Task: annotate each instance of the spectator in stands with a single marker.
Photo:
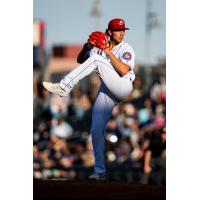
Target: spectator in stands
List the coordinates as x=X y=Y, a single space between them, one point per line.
x=58 y=106
x=155 y=158
x=61 y=128
x=145 y=114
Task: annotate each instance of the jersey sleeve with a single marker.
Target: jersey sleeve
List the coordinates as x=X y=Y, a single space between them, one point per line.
x=98 y=51
x=85 y=53
x=128 y=56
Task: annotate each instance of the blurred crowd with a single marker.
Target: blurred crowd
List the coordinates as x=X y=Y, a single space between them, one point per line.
x=135 y=134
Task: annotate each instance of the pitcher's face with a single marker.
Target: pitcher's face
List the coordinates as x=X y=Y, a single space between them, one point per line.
x=117 y=36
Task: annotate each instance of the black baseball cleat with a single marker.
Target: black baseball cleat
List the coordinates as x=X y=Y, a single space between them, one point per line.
x=97 y=176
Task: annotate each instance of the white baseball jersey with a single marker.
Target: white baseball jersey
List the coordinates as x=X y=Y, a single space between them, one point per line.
x=124 y=52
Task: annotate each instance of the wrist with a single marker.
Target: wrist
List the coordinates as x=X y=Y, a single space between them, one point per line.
x=107 y=52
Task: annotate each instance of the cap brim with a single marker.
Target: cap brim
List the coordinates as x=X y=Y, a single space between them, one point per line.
x=121 y=29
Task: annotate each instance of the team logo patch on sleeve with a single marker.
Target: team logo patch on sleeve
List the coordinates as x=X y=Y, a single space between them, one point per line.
x=126 y=55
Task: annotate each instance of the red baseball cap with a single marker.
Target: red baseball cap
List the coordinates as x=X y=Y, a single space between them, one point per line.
x=117 y=24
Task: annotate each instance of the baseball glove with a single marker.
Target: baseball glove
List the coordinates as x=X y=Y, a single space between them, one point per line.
x=98 y=39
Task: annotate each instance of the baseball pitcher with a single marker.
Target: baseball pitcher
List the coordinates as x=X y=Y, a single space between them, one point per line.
x=113 y=60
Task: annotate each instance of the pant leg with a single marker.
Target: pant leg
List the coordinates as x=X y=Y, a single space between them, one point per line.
x=102 y=111
x=120 y=87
